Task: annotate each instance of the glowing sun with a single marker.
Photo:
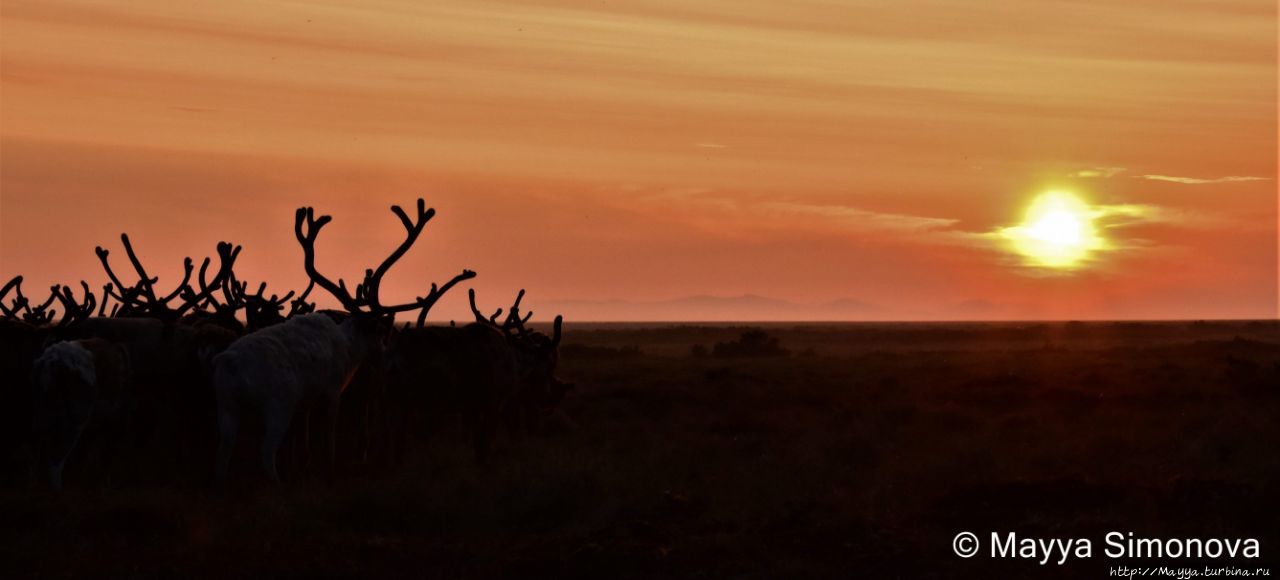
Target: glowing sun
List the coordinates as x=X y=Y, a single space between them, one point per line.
x=1058 y=231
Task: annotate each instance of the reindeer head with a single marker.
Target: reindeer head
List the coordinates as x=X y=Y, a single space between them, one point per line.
x=538 y=354
x=370 y=320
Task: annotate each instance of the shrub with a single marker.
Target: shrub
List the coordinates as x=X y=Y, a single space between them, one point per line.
x=752 y=343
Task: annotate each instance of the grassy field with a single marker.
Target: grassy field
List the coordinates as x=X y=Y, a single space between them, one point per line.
x=859 y=454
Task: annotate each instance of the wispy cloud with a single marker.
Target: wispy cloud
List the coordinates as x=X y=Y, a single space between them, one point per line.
x=1197 y=180
x=1100 y=172
x=760 y=216
x=863 y=219
x=1109 y=172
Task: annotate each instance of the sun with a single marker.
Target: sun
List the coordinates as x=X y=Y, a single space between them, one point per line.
x=1058 y=231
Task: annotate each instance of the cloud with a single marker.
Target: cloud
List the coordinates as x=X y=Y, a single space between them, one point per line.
x=713 y=210
x=862 y=219
x=1100 y=172
x=1117 y=215
x=1197 y=181
x=1109 y=172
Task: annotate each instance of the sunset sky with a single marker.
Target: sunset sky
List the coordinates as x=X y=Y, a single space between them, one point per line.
x=618 y=157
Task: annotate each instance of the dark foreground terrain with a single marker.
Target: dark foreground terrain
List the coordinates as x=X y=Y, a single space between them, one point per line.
x=860 y=453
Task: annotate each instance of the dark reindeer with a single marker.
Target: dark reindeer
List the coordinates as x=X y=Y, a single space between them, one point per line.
x=81 y=400
x=309 y=360
x=473 y=371
x=24 y=330
x=539 y=391
x=169 y=359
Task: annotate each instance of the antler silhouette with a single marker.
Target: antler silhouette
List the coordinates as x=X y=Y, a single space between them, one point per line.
x=20 y=308
x=513 y=324
x=13 y=285
x=367 y=296
x=426 y=302
x=72 y=311
x=306 y=227
x=39 y=315
x=300 y=305
x=142 y=299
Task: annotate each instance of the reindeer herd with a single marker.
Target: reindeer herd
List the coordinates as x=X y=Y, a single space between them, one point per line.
x=136 y=383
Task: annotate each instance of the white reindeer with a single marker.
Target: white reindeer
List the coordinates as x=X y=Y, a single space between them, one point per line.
x=309 y=359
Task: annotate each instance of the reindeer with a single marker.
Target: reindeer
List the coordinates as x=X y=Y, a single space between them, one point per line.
x=539 y=391
x=81 y=394
x=169 y=358
x=309 y=359
x=474 y=370
x=24 y=329
x=434 y=371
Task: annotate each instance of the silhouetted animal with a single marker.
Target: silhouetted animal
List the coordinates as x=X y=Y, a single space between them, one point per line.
x=481 y=371
x=81 y=398
x=24 y=329
x=431 y=372
x=306 y=360
x=310 y=358
x=538 y=390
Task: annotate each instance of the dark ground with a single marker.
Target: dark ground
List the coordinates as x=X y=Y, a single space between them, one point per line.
x=860 y=454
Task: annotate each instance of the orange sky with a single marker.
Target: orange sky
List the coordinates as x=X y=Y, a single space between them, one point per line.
x=614 y=156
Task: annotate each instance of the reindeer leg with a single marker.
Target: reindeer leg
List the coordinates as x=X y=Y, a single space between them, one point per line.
x=228 y=424
x=332 y=435
x=511 y=418
x=485 y=428
x=276 y=421
x=302 y=444
x=55 y=473
x=366 y=441
x=273 y=434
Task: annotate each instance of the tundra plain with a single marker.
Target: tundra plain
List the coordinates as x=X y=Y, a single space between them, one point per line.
x=859 y=452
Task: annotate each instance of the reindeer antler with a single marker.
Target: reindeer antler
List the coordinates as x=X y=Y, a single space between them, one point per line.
x=102 y=305
x=307 y=229
x=142 y=297
x=227 y=307
x=14 y=285
x=39 y=315
x=480 y=317
x=72 y=311
x=227 y=254
x=21 y=308
x=513 y=326
x=300 y=305
x=428 y=301
x=373 y=280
